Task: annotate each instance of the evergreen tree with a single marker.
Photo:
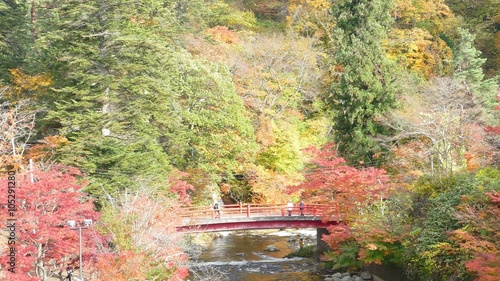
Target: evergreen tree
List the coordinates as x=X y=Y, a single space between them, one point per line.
x=14 y=35
x=366 y=85
x=131 y=101
x=468 y=69
x=110 y=62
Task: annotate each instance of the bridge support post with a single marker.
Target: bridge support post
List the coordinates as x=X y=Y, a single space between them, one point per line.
x=321 y=246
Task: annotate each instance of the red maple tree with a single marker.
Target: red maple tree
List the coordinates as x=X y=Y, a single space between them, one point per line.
x=329 y=180
x=43 y=243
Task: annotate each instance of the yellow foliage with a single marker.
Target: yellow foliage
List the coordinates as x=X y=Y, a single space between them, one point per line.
x=416 y=49
x=26 y=86
x=11 y=163
x=434 y=14
x=311 y=17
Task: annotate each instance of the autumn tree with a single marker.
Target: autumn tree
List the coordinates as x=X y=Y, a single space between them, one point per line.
x=311 y=18
x=439 y=131
x=418 y=51
x=366 y=85
x=329 y=180
x=142 y=227
x=17 y=124
x=44 y=202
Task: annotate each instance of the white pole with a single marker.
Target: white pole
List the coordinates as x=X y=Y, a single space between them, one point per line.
x=80 y=250
x=31 y=171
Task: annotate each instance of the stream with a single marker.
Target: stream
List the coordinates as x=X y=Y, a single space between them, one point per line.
x=243 y=256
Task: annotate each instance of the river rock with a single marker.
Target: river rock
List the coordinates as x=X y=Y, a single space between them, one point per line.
x=272 y=248
x=345 y=274
x=338 y=275
x=358 y=278
x=292 y=239
x=346 y=278
x=366 y=276
x=329 y=279
x=240 y=254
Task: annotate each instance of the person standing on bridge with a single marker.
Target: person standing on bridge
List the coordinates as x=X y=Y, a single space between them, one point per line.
x=290 y=207
x=301 y=207
x=216 y=210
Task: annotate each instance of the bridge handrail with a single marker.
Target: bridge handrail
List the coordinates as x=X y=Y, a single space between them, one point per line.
x=262 y=210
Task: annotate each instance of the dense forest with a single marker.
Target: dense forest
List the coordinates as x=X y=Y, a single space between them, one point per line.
x=124 y=111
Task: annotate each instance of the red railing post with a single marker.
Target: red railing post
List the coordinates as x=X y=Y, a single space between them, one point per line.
x=248 y=210
x=315 y=211
x=282 y=212
x=241 y=208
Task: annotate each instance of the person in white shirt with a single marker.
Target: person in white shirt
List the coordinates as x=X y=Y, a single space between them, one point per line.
x=290 y=207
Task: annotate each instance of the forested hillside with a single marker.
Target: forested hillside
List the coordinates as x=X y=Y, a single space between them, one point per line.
x=134 y=109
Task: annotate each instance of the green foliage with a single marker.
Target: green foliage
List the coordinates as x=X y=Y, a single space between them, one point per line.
x=468 y=68
x=210 y=129
x=284 y=154
x=431 y=254
x=347 y=260
x=225 y=15
x=132 y=103
x=308 y=251
x=489 y=177
x=15 y=37
x=366 y=87
x=482 y=17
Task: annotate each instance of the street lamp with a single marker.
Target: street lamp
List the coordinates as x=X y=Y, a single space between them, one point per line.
x=73 y=226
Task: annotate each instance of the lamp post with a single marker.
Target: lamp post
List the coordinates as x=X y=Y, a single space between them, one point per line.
x=72 y=225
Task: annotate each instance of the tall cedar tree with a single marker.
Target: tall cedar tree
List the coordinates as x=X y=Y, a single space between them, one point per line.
x=14 y=35
x=366 y=85
x=130 y=101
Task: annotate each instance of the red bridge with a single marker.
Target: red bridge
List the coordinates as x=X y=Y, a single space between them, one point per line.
x=258 y=216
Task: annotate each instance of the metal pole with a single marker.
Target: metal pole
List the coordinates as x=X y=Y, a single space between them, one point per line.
x=80 y=250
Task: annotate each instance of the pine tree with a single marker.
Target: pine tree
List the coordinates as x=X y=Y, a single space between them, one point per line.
x=366 y=86
x=14 y=35
x=468 y=69
x=131 y=101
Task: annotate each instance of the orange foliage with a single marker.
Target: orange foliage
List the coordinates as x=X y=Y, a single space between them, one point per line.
x=126 y=265
x=481 y=238
x=47 y=147
x=223 y=34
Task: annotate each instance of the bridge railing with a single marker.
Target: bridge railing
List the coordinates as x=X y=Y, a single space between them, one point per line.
x=331 y=210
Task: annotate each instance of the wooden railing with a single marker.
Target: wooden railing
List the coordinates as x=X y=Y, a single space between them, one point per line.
x=261 y=210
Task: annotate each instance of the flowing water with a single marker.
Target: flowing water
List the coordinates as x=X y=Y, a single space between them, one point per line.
x=243 y=256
